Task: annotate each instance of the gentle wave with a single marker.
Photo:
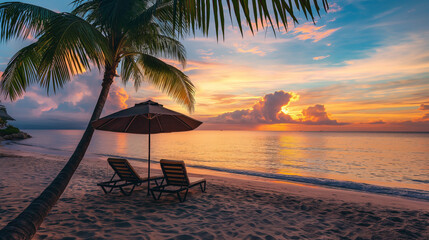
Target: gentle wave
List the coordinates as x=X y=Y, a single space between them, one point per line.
x=348 y=185
x=417 y=180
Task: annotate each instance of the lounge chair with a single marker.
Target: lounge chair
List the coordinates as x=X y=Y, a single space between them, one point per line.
x=176 y=176
x=127 y=177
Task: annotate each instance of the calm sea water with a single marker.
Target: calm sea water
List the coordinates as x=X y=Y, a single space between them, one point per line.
x=392 y=163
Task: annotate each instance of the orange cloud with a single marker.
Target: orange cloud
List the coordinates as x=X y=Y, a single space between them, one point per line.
x=254 y=50
x=424 y=107
x=273 y=109
x=311 y=31
x=267 y=110
x=118 y=97
x=317 y=115
x=321 y=57
x=122 y=97
x=377 y=122
x=206 y=54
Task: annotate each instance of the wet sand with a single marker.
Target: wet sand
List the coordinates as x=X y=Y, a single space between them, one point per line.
x=233 y=207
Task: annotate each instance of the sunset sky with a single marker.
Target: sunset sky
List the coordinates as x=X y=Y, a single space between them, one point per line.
x=364 y=66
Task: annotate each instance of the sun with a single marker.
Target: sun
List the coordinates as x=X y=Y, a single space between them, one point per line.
x=285 y=109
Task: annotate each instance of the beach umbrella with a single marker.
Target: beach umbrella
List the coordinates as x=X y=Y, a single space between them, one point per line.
x=4 y=115
x=146 y=118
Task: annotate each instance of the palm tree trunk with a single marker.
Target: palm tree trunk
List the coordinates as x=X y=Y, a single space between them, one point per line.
x=26 y=224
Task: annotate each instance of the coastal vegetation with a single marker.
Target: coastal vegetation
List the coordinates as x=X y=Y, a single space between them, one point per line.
x=7 y=131
x=107 y=35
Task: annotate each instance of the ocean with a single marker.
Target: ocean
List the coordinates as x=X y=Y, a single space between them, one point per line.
x=385 y=163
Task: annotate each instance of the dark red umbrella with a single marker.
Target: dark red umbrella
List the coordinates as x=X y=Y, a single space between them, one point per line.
x=146 y=118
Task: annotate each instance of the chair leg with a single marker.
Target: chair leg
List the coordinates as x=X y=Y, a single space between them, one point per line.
x=129 y=192
x=105 y=191
x=203 y=189
x=184 y=197
x=159 y=195
x=178 y=196
x=156 y=182
x=186 y=193
x=153 y=195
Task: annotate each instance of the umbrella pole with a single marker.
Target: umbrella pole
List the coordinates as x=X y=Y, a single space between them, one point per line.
x=148 y=163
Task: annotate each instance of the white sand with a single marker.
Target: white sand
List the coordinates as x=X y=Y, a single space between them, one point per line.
x=234 y=207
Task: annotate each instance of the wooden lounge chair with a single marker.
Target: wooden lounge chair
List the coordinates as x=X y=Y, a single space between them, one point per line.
x=127 y=177
x=176 y=176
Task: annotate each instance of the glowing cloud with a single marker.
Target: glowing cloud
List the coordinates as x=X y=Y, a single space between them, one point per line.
x=317 y=115
x=424 y=107
x=267 y=110
x=254 y=50
x=119 y=96
x=377 y=122
x=311 y=31
x=273 y=109
x=321 y=57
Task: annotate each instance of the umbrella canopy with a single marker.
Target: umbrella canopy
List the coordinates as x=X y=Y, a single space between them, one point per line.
x=138 y=118
x=146 y=118
x=4 y=115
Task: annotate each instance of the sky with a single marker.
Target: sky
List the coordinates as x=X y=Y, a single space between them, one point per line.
x=362 y=66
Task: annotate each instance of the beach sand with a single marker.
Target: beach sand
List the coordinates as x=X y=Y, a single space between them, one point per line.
x=234 y=207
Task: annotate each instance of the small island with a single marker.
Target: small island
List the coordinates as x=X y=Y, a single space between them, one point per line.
x=7 y=131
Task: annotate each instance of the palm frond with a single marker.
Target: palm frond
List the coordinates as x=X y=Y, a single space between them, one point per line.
x=168 y=79
x=20 y=72
x=274 y=12
x=145 y=17
x=130 y=70
x=70 y=45
x=111 y=16
x=20 y=20
x=156 y=45
x=158 y=14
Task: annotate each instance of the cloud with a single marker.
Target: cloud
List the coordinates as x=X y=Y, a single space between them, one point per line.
x=310 y=31
x=118 y=96
x=71 y=107
x=317 y=115
x=254 y=50
x=334 y=7
x=424 y=107
x=321 y=57
x=377 y=122
x=266 y=110
x=206 y=54
x=384 y=14
x=273 y=109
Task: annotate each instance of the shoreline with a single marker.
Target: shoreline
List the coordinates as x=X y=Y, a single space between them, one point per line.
x=233 y=207
x=419 y=194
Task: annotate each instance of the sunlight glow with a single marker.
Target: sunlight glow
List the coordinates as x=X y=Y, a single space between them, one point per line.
x=285 y=109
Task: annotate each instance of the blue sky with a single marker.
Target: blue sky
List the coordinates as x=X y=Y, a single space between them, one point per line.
x=365 y=62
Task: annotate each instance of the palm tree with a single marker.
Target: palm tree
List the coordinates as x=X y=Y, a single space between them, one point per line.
x=107 y=34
